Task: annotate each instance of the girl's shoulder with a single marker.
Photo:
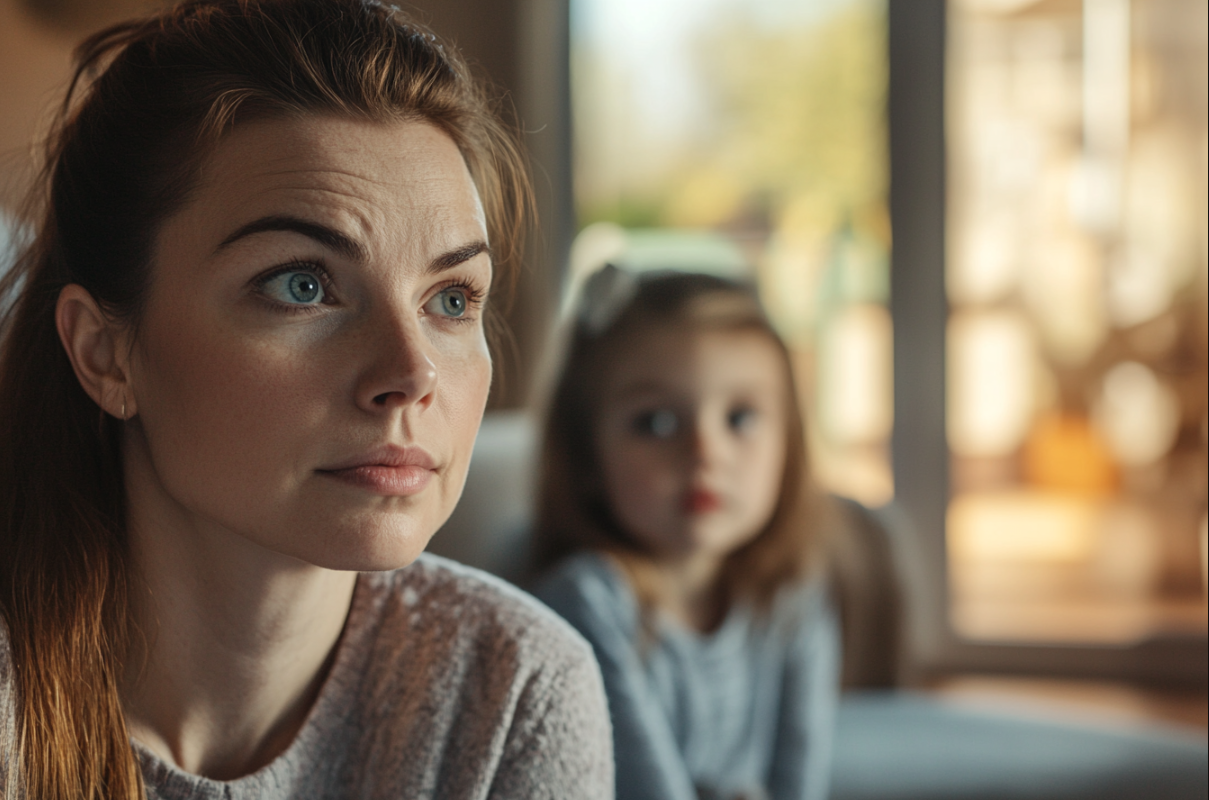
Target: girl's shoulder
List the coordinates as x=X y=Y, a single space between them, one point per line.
x=585 y=576
x=588 y=587
x=803 y=615
x=585 y=568
x=802 y=599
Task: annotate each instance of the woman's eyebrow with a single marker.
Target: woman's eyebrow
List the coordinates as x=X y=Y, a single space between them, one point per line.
x=458 y=256
x=328 y=237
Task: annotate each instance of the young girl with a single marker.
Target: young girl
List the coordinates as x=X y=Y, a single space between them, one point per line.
x=673 y=487
x=239 y=390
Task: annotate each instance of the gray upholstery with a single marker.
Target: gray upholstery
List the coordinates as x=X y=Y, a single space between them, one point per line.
x=901 y=746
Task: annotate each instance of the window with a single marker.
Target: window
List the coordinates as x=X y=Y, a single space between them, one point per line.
x=1076 y=278
x=1065 y=561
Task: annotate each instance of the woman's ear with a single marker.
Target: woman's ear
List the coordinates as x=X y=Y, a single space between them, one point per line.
x=96 y=348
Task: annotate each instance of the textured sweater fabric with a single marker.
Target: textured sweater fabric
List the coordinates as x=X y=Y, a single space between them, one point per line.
x=747 y=711
x=446 y=684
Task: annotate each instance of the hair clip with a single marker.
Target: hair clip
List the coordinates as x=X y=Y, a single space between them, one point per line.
x=605 y=295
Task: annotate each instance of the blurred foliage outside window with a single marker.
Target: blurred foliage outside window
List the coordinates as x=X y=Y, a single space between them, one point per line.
x=759 y=125
x=1076 y=275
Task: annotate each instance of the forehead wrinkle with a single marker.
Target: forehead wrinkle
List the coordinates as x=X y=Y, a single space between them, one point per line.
x=326 y=171
x=340 y=188
x=352 y=213
x=333 y=180
x=400 y=195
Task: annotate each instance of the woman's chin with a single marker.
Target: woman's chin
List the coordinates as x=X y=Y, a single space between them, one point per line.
x=363 y=548
x=382 y=554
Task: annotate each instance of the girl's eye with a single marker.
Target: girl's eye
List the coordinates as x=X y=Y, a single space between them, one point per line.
x=740 y=419
x=451 y=302
x=661 y=423
x=295 y=287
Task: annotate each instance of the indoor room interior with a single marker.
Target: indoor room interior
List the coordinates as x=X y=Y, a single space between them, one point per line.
x=981 y=227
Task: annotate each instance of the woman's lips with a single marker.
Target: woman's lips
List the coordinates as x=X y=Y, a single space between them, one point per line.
x=701 y=501
x=389 y=471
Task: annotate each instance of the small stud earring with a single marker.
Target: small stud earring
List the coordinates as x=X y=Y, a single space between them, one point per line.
x=123 y=408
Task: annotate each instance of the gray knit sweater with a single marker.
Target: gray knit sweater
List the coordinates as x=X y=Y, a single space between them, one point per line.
x=446 y=684
x=747 y=711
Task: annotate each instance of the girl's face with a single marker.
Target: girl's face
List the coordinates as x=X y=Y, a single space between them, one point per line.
x=691 y=438
x=310 y=369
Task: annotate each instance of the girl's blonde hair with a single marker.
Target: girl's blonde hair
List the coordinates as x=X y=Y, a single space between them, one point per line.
x=573 y=511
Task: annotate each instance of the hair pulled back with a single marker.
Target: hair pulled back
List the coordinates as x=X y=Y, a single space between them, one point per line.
x=148 y=102
x=573 y=512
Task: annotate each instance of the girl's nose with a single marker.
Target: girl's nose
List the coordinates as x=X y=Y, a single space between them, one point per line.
x=401 y=372
x=705 y=441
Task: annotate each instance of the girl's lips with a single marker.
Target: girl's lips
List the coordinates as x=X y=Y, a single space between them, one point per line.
x=701 y=501
x=390 y=471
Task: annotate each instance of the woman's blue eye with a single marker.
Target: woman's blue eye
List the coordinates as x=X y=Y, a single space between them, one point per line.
x=740 y=419
x=452 y=302
x=295 y=288
x=661 y=423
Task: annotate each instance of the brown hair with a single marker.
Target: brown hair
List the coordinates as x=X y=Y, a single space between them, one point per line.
x=573 y=512
x=149 y=100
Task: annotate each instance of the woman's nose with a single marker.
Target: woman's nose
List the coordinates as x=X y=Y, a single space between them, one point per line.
x=401 y=372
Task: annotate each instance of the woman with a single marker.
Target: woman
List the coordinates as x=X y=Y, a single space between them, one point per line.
x=239 y=391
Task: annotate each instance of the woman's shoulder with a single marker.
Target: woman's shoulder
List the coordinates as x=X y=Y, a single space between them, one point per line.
x=435 y=599
x=437 y=638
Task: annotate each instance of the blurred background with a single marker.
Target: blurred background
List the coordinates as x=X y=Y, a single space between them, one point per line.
x=1044 y=316
x=981 y=226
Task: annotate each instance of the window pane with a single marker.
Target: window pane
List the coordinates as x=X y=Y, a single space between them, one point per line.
x=1076 y=275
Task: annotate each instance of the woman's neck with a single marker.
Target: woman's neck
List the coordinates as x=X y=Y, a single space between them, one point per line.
x=232 y=643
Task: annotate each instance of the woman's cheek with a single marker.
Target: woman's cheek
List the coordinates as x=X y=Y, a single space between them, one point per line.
x=462 y=357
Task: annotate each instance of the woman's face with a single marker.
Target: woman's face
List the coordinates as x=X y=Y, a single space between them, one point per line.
x=691 y=439
x=310 y=369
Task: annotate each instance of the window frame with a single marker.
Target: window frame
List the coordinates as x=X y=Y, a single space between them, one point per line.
x=917 y=35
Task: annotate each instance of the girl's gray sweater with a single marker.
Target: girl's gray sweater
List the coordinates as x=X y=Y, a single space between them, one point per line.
x=446 y=684
x=744 y=712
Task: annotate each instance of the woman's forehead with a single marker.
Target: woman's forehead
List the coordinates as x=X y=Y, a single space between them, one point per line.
x=330 y=153
x=376 y=182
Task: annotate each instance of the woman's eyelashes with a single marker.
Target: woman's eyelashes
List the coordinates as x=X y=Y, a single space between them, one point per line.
x=457 y=302
x=302 y=286
x=296 y=286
